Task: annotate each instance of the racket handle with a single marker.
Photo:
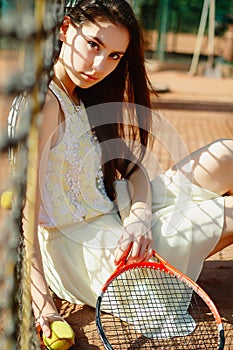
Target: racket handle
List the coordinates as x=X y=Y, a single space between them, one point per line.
x=123 y=199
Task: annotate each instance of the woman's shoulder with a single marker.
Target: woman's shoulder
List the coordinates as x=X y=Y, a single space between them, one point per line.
x=50 y=114
x=51 y=100
x=51 y=106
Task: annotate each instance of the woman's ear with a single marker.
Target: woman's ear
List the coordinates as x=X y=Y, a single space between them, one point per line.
x=64 y=27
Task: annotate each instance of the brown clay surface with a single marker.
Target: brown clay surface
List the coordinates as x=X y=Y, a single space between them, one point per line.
x=196 y=127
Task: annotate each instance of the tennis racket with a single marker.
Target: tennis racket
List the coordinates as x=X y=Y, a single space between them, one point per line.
x=151 y=305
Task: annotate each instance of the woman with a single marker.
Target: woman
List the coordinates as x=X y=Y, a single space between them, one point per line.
x=96 y=127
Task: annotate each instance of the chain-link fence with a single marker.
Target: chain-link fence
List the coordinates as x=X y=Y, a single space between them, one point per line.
x=29 y=42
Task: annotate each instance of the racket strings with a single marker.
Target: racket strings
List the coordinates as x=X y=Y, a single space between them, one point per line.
x=149 y=309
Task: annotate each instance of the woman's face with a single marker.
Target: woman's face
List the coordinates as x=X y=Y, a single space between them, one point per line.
x=92 y=51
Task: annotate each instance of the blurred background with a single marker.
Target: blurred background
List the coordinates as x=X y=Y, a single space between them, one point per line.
x=171 y=27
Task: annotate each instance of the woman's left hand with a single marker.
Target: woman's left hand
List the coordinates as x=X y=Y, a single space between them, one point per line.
x=135 y=243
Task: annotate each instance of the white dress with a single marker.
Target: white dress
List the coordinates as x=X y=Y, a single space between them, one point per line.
x=79 y=226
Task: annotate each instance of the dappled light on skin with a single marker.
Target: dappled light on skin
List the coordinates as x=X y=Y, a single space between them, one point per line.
x=215 y=161
x=90 y=52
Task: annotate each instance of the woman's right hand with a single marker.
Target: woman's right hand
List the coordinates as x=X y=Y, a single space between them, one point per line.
x=136 y=241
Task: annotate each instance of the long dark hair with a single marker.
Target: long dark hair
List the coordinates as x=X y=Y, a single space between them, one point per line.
x=127 y=86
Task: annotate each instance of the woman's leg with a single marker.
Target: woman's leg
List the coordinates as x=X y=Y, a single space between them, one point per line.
x=212 y=168
x=227 y=234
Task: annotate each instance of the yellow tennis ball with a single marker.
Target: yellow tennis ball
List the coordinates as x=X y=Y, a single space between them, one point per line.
x=62 y=337
x=6 y=199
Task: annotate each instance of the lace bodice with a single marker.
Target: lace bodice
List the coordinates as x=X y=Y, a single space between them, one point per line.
x=74 y=189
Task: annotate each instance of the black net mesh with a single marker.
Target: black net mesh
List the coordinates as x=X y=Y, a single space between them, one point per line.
x=28 y=46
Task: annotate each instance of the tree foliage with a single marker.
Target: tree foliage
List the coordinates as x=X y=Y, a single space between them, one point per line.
x=183 y=15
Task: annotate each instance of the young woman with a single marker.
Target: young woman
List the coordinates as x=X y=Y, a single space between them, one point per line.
x=96 y=126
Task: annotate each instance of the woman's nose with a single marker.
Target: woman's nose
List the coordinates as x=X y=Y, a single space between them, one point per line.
x=99 y=63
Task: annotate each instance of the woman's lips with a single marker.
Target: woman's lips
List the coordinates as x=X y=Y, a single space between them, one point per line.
x=89 y=77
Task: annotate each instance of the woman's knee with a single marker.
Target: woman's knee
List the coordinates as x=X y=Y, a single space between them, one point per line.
x=222 y=149
x=213 y=166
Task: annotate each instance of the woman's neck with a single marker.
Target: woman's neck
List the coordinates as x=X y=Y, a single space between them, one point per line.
x=65 y=83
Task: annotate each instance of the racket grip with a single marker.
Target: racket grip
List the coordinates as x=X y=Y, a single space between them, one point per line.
x=123 y=199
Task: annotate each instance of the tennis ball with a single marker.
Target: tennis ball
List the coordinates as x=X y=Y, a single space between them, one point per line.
x=6 y=199
x=62 y=337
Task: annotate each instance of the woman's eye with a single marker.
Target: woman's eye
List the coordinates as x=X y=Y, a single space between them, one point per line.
x=93 y=45
x=115 y=56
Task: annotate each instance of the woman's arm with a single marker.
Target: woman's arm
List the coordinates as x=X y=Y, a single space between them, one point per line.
x=43 y=306
x=137 y=226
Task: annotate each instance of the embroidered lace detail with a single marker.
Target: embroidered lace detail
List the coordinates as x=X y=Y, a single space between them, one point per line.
x=74 y=186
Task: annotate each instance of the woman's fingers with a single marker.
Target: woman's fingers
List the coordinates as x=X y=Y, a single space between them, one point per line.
x=122 y=251
x=141 y=251
x=134 y=251
x=44 y=323
x=46 y=329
